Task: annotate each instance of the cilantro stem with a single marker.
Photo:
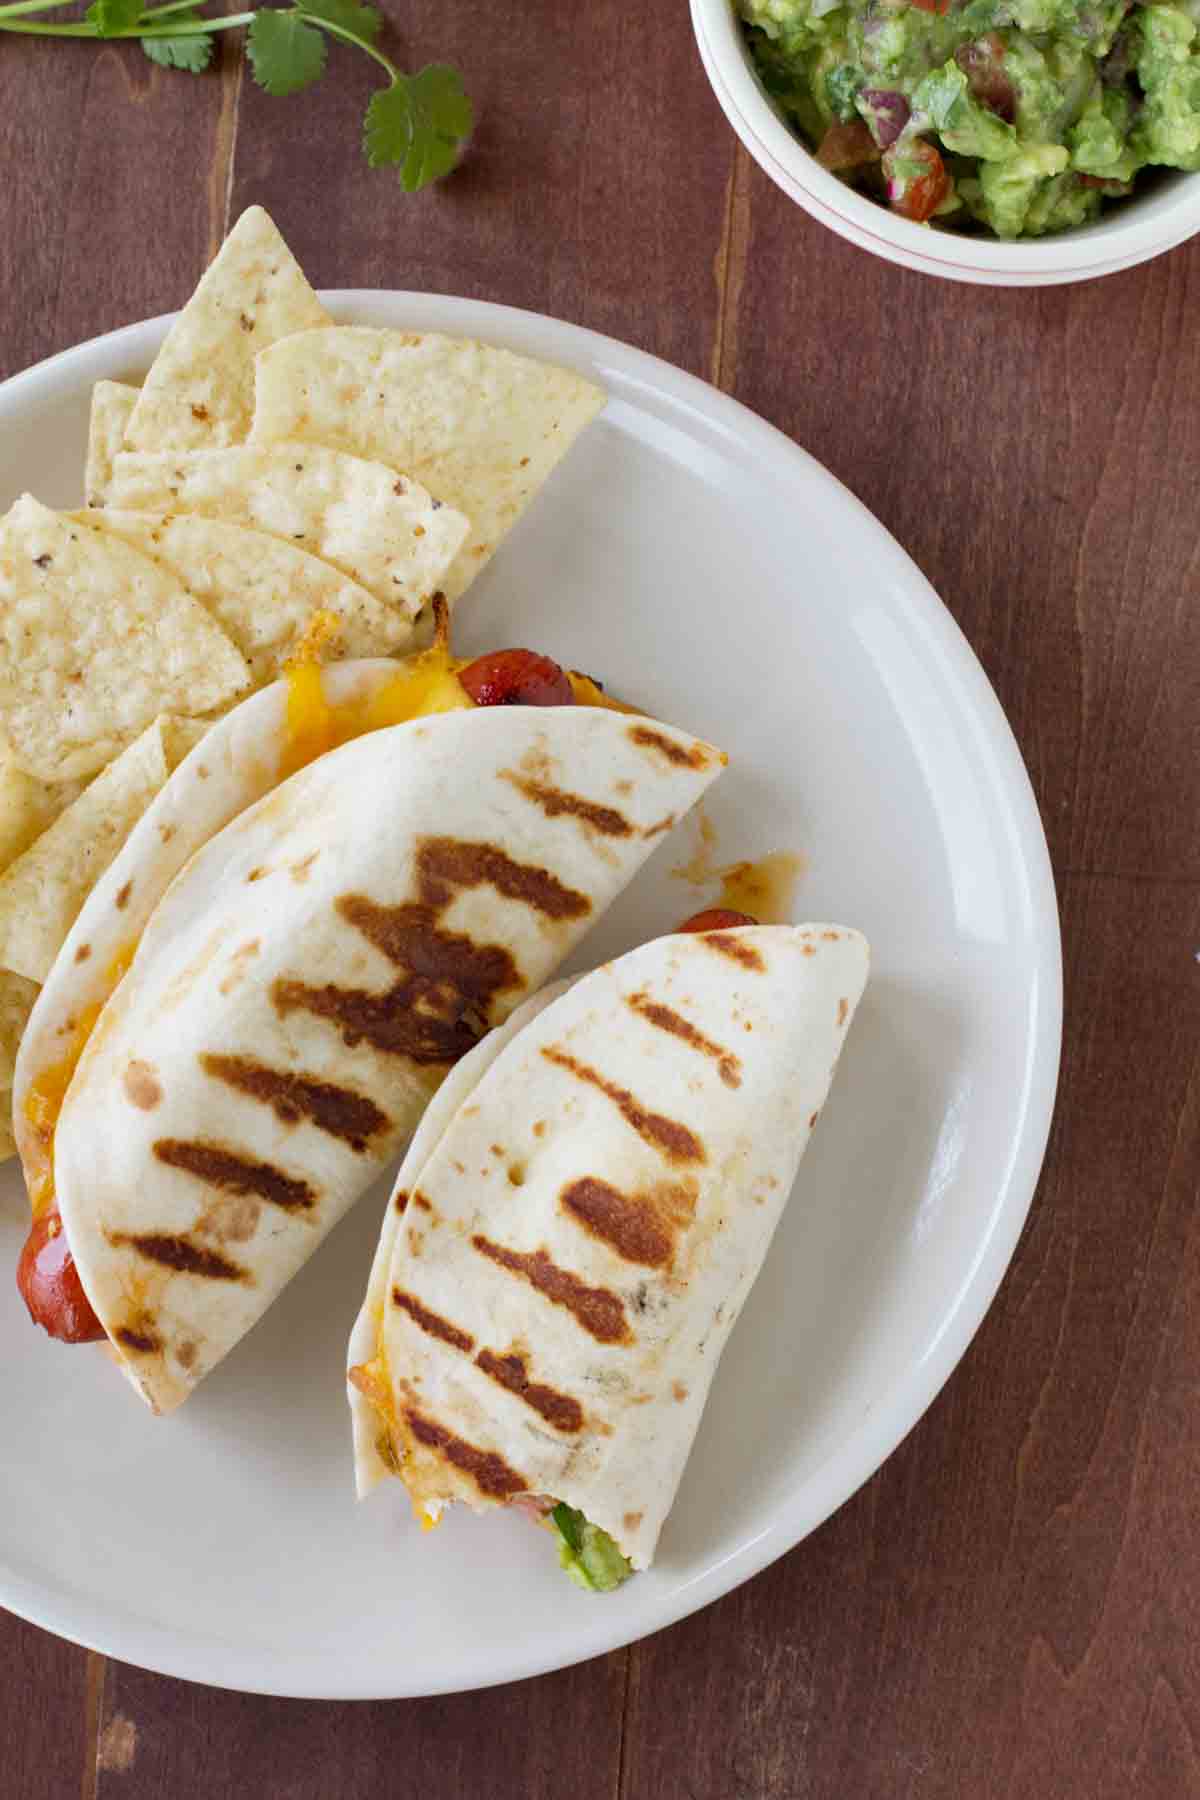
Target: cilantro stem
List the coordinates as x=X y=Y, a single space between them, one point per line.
x=40 y=6
x=198 y=28
x=350 y=37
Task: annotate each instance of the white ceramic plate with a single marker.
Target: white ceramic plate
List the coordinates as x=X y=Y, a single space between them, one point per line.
x=703 y=566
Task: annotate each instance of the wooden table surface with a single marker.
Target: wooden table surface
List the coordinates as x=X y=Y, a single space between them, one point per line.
x=1011 y=1608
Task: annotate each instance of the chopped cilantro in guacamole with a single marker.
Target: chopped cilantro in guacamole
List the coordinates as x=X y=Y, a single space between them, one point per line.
x=1019 y=116
x=588 y=1554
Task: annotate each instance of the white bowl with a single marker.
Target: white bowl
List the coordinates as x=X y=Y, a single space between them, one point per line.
x=1131 y=233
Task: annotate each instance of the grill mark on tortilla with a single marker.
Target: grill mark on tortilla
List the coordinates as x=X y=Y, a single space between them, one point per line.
x=444 y=864
x=675 y=1141
x=337 y=1111
x=122 y=900
x=180 y=1254
x=627 y=1223
x=439 y=1009
x=401 y=1201
x=729 y=1066
x=597 y=1310
x=560 y=1410
x=735 y=949
x=693 y=756
x=234 y=1173
x=432 y=1322
x=488 y=1470
x=146 y=1343
x=555 y=802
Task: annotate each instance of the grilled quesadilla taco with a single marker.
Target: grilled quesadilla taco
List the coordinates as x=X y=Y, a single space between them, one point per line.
x=576 y=1227
x=349 y=880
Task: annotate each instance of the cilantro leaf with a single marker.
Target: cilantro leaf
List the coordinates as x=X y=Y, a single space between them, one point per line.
x=360 y=21
x=419 y=123
x=110 y=17
x=285 y=53
x=193 y=53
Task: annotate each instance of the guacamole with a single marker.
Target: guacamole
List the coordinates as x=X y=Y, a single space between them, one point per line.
x=1018 y=116
x=588 y=1554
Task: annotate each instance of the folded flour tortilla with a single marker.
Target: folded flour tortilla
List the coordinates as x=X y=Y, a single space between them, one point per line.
x=302 y=978
x=577 y=1226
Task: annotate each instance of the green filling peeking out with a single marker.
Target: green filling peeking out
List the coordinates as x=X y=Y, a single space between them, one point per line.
x=588 y=1554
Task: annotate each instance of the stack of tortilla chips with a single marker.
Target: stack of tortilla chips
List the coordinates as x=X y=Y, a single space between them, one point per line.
x=280 y=487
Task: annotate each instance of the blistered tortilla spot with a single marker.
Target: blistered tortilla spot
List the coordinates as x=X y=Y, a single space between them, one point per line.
x=678 y=1392
x=257 y=874
x=420 y=1200
x=202 y=771
x=231 y=1170
x=831 y=937
x=233 y=1219
x=539 y=1128
x=400 y=1203
x=516 y=1174
x=809 y=949
x=843 y=1009
x=185 y=1354
x=142 y=1087
x=300 y=871
x=632 y=1520
x=666 y=823
x=83 y=952
x=497 y=1149
x=122 y=899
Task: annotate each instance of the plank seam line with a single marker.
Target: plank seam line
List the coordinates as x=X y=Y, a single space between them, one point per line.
x=95 y=1677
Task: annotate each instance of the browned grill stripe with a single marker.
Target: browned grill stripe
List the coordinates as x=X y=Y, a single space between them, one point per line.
x=444 y=864
x=735 y=948
x=729 y=1067
x=441 y=1005
x=691 y=756
x=630 y=1226
x=490 y=1473
x=180 y=1254
x=675 y=1141
x=555 y=802
x=600 y=1312
x=559 y=1410
x=432 y=1322
x=339 y=1112
x=144 y=1342
x=236 y=1174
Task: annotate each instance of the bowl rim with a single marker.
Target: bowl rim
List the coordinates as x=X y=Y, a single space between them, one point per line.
x=1066 y=256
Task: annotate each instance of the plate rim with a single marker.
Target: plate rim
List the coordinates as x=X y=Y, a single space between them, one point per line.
x=856 y=1458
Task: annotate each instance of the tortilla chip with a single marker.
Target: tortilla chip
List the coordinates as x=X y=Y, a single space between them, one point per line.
x=16 y=1003
x=481 y=427
x=382 y=530
x=112 y=403
x=28 y=806
x=43 y=891
x=200 y=390
x=95 y=641
x=261 y=590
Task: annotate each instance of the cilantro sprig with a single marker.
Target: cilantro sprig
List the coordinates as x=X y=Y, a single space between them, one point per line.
x=417 y=124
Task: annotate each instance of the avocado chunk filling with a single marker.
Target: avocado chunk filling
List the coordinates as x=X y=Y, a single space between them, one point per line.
x=588 y=1554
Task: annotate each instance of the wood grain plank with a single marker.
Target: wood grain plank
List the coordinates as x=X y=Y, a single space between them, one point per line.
x=41 y=1713
x=561 y=205
x=1008 y=1610
x=536 y=1739
x=120 y=192
x=1034 y=451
